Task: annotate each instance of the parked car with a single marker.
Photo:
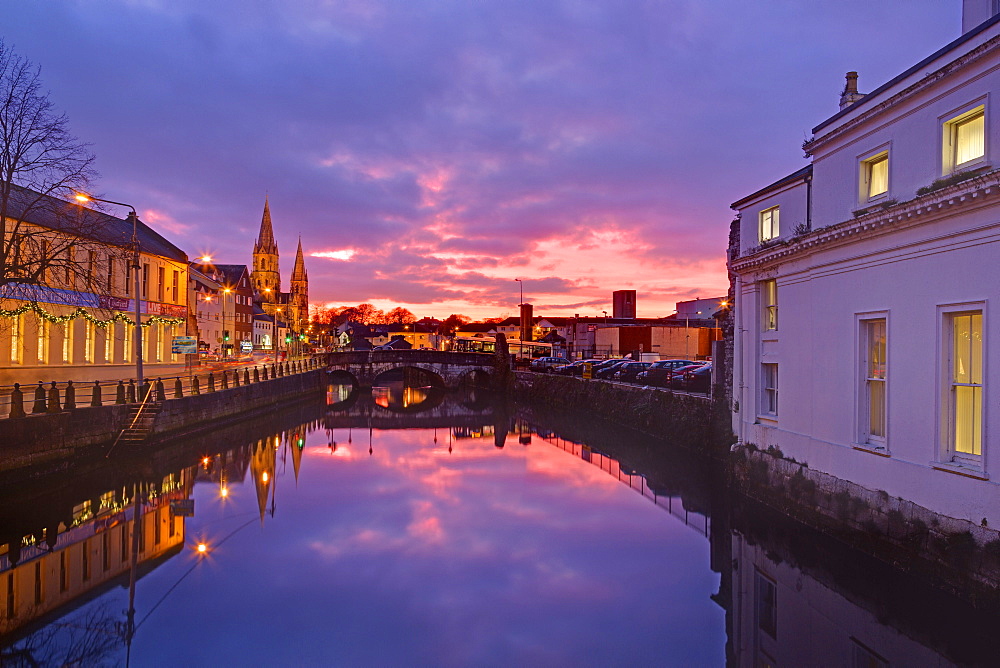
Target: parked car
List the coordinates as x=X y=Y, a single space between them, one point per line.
x=547 y=364
x=574 y=369
x=698 y=380
x=677 y=375
x=609 y=370
x=628 y=371
x=660 y=373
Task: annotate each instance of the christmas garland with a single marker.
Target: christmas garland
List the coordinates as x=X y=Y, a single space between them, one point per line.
x=81 y=313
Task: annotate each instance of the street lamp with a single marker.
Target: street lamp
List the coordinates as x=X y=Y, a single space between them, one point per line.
x=687 y=335
x=134 y=219
x=521 y=284
x=225 y=339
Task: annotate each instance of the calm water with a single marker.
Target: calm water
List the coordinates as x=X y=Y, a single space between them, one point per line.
x=333 y=538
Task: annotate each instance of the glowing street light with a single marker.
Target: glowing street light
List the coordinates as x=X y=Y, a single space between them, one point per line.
x=133 y=217
x=202 y=548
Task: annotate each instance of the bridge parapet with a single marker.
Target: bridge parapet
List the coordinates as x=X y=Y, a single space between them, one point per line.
x=365 y=366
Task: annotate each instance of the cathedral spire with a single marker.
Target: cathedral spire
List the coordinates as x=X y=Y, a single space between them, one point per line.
x=265 y=240
x=299 y=271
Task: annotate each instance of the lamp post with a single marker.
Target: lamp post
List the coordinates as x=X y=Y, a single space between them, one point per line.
x=687 y=335
x=225 y=340
x=521 y=284
x=134 y=219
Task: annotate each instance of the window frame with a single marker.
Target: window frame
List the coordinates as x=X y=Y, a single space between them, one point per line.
x=768 y=290
x=949 y=455
x=950 y=124
x=866 y=166
x=769 y=405
x=865 y=438
x=772 y=214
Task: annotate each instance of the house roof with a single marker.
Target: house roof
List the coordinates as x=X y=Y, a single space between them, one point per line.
x=951 y=46
x=72 y=218
x=232 y=273
x=799 y=175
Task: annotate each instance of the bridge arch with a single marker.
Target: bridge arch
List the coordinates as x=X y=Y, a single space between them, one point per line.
x=451 y=367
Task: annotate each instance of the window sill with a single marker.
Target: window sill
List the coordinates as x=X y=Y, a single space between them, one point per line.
x=767 y=419
x=769 y=335
x=958 y=469
x=870 y=448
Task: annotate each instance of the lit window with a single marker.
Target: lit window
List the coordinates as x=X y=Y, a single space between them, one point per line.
x=769 y=224
x=965 y=386
x=16 y=335
x=965 y=139
x=769 y=305
x=875 y=176
x=873 y=334
x=769 y=389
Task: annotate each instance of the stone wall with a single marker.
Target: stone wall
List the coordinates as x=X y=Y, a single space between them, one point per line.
x=961 y=554
x=684 y=418
x=53 y=437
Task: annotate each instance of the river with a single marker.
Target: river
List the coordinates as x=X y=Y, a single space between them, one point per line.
x=407 y=528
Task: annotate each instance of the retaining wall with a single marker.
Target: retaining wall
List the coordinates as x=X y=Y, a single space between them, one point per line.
x=43 y=438
x=685 y=418
x=961 y=555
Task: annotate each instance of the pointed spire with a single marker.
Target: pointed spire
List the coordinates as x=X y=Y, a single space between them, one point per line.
x=265 y=240
x=299 y=271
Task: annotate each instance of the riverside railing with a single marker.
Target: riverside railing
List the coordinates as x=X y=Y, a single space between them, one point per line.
x=18 y=401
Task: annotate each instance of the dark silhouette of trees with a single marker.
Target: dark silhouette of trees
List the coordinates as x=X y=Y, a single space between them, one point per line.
x=45 y=241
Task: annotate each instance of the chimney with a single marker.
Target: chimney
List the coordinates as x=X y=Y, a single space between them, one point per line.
x=850 y=94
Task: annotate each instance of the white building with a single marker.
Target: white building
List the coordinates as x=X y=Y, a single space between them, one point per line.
x=206 y=303
x=263 y=331
x=865 y=343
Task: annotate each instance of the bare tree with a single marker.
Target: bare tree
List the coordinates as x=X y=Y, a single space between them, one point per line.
x=45 y=241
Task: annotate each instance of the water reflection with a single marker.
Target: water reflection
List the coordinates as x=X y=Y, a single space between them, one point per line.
x=468 y=533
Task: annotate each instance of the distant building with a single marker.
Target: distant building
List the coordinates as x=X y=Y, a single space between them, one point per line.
x=864 y=340
x=623 y=303
x=291 y=306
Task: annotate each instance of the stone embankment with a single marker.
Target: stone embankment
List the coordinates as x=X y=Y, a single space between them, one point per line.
x=39 y=437
x=961 y=555
x=679 y=416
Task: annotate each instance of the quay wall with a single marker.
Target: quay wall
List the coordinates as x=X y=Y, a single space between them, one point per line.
x=39 y=439
x=962 y=556
x=682 y=417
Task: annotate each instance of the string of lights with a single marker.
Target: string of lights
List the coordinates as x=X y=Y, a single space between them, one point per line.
x=80 y=312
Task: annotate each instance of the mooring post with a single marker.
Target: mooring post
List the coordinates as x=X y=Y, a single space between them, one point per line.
x=39 y=406
x=53 y=405
x=178 y=388
x=246 y=376
x=95 y=394
x=256 y=375
x=211 y=381
x=16 y=402
x=160 y=394
x=131 y=391
x=195 y=389
x=120 y=393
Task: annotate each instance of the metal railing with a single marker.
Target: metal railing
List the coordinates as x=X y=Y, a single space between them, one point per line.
x=18 y=400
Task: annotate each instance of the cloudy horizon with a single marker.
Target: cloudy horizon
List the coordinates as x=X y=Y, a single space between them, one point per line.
x=429 y=153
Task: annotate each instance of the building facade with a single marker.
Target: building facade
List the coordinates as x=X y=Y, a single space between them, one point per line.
x=864 y=339
x=82 y=313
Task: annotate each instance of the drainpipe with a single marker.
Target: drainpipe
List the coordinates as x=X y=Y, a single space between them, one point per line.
x=809 y=202
x=738 y=356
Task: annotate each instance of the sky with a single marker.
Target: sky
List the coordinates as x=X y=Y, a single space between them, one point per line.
x=428 y=153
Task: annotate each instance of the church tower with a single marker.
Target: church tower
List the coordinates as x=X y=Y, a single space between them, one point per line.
x=264 y=278
x=299 y=298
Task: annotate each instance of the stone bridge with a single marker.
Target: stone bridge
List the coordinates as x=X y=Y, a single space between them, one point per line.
x=366 y=368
